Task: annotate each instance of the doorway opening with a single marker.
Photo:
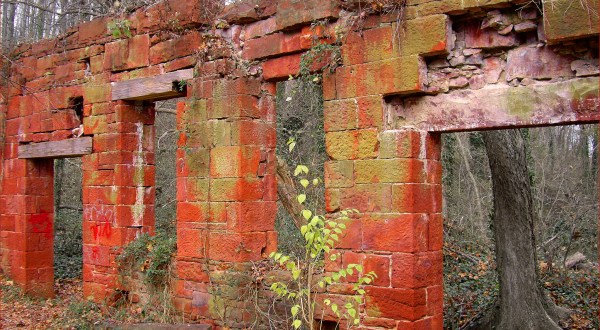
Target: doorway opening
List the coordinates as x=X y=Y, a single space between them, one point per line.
x=562 y=164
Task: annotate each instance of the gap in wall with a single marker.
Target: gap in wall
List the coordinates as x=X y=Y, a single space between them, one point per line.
x=563 y=168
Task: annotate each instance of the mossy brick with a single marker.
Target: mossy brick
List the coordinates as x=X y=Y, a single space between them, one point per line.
x=329 y=90
x=95 y=125
x=340 y=115
x=98 y=178
x=566 y=20
x=206 y=135
x=401 y=75
x=232 y=87
x=395 y=233
x=417 y=270
x=370 y=111
x=251 y=216
x=396 y=303
x=339 y=174
x=368 y=45
x=191 y=112
x=291 y=13
x=389 y=171
x=366 y=198
x=355 y=144
x=180 y=47
x=234 y=161
x=236 y=189
x=430 y=35
x=193 y=162
x=233 y=106
x=400 y=144
x=127 y=54
x=193 y=189
x=96 y=93
x=417 y=198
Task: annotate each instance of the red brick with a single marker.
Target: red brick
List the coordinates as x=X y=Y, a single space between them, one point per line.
x=401 y=233
x=93 y=31
x=127 y=54
x=193 y=212
x=96 y=255
x=399 y=304
x=417 y=270
x=191 y=271
x=436 y=232
x=417 y=198
x=175 y=48
x=236 y=247
x=281 y=68
x=191 y=243
x=251 y=216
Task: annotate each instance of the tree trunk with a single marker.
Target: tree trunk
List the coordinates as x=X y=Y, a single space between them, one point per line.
x=287 y=192
x=522 y=304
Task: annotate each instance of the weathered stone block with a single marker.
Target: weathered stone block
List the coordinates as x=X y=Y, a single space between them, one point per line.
x=565 y=20
x=430 y=35
x=401 y=75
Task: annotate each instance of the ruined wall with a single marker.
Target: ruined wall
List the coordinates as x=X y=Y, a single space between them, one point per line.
x=400 y=71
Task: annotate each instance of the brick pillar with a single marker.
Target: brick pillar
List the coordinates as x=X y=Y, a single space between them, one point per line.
x=394 y=179
x=118 y=189
x=27 y=218
x=226 y=189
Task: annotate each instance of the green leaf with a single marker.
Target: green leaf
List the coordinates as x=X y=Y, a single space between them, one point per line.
x=348 y=305
x=301 y=198
x=359 y=268
x=315 y=182
x=297 y=324
x=303 y=230
x=304 y=183
x=352 y=312
x=291 y=146
x=333 y=257
x=295 y=309
x=334 y=308
x=306 y=214
x=327 y=302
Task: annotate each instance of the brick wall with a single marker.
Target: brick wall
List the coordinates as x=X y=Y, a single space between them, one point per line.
x=384 y=151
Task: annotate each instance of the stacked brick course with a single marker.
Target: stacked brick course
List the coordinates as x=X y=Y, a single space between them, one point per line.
x=384 y=154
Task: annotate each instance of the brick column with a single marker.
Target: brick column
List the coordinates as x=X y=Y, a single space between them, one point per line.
x=27 y=218
x=393 y=177
x=226 y=189
x=118 y=189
